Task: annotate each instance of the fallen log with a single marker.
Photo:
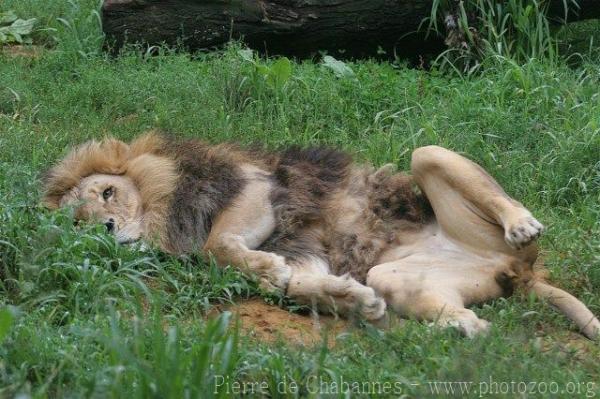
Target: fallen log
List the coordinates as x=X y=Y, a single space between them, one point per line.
x=299 y=28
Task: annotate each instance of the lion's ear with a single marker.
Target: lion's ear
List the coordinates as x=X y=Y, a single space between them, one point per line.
x=70 y=198
x=56 y=201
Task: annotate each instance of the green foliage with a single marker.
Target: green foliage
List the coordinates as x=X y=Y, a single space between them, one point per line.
x=249 y=79
x=90 y=318
x=339 y=68
x=519 y=30
x=15 y=30
x=275 y=75
x=174 y=363
x=72 y=26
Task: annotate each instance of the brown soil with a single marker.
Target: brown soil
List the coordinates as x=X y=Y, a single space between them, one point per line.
x=269 y=323
x=570 y=343
x=22 y=51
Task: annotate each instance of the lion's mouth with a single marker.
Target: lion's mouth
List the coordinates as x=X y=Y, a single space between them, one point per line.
x=127 y=240
x=128 y=233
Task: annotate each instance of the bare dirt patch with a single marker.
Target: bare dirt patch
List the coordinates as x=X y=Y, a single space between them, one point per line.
x=270 y=323
x=572 y=344
x=22 y=51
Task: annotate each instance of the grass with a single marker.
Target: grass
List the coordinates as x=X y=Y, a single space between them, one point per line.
x=519 y=29
x=87 y=318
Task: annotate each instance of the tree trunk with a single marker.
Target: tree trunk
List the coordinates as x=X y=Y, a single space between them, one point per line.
x=352 y=28
x=300 y=28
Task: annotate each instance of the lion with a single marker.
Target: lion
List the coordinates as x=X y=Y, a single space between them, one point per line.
x=319 y=227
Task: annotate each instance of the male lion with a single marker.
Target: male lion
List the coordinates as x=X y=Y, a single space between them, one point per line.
x=325 y=230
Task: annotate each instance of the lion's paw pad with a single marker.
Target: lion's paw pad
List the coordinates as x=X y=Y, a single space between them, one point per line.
x=374 y=309
x=523 y=232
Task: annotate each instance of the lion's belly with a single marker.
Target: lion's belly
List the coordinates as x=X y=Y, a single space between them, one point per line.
x=428 y=239
x=432 y=259
x=431 y=242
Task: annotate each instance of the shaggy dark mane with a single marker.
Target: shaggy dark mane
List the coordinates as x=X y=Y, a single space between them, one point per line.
x=209 y=179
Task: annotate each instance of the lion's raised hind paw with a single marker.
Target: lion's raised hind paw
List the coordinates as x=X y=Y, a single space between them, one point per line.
x=522 y=232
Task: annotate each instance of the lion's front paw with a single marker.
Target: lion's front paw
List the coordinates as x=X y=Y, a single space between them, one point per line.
x=276 y=274
x=374 y=309
x=522 y=232
x=466 y=322
x=473 y=327
x=266 y=285
x=371 y=306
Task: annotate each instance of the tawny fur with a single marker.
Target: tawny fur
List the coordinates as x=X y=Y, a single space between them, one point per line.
x=315 y=223
x=155 y=176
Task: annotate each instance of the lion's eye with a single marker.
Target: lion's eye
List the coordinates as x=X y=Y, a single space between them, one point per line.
x=106 y=194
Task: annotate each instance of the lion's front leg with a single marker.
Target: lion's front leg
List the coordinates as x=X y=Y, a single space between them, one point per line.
x=270 y=268
x=243 y=227
x=311 y=284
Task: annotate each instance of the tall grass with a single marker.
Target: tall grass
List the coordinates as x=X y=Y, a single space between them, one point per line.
x=81 y=316
x=71 y=26
x=520 y=30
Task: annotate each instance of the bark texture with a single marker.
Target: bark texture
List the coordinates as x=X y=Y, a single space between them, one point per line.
x=351 y=28
x=301 y=28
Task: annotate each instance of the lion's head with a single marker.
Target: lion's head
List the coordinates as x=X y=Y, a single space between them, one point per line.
x=126 y=187
x=113 y=200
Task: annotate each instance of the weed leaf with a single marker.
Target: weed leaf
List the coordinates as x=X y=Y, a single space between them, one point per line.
x=22 y=26
x=339 y=68
x=16 y=31
x=7 y=18
x=279 y=72
x=246 y=54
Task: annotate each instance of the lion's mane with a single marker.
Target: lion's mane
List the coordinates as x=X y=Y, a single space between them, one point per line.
x=154 y=174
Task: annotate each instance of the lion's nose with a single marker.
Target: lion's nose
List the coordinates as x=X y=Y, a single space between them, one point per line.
x=110 y=225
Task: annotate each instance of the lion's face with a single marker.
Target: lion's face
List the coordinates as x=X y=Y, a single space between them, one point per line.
x=112 y=200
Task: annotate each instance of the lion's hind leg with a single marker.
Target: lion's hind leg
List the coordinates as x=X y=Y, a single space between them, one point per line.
x=433 y=290
x=311 y=284
x=443 y=314
x=471 y=207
